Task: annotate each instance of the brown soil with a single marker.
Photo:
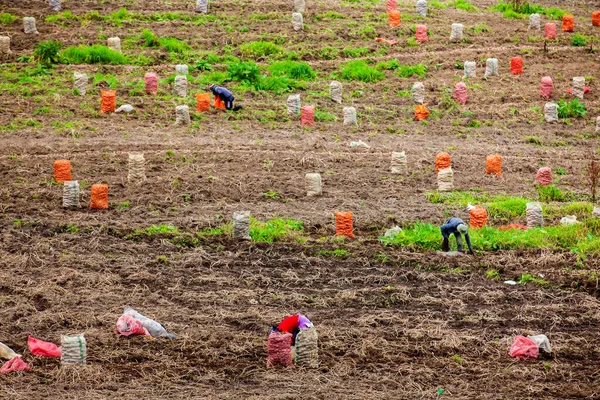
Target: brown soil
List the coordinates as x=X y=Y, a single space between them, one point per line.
x=389 y=321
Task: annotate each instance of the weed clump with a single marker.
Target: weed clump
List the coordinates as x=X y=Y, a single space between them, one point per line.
x=95 y=54
x=571 y=109
x=260 y=49
x=293 y=70
x=359 y=70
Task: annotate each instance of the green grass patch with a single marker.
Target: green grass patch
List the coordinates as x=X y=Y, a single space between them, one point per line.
x=579 y=40
x=407 y=71
x=354 y=52
x=525 y=10
x=95 y=54
x=6 y=18
x=359 y=70
x=463 y=5
x=337 y=253
x=259 y=49
x=293 y=70
x=172 y=45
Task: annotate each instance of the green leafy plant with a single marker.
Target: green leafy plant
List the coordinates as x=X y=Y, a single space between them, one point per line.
x=579 y=40
x=47 y=53
x=359 y=70
x=204 y=65
x=274 y=230
x=95 y=54
x=571 y=109
x=259 y=49
x=293 y=69
x=244 y=72
x=550 y=193
x=406 y=71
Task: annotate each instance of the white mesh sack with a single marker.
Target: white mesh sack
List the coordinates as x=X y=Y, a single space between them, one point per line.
x=71 y=194
x=80 y=82
x=182 y=115
x=422 y=8
x=350 y=116
x=551 y=112
x=137 y=170
x=445 y=180
x=241 y=225
x=55 y=5
x=418 y=93
x=535 y=21
x=293 y=104
x=578 y=86
x=398 y=162
x=5 y=45
x=335 y=91
x=180 y=86
x=457 y=33
x=29 y=25
x=470 y=69
x=202 y=6
x=491 y=67
x=297 y=21
x=299 y=5
x=533 y=214
x=313 y=184
x=114 y=43
x=182 y=69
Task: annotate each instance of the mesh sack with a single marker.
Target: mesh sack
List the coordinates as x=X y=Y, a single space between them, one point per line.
x=71 y=194
x=219 y=104
x=551 y=112
x=535 y=21
x=151 y=83
x=241 y=225
x=80 y=82
x=457 y=33
x=478 y=217
x=597 y=124
x=202 y=102
x=445 y=180
x=29 y=25
x=350 y=116
x=180 y=86
x=493 y=164
x=544 y=176
x=307 y=349
x=391 y=5
x=533 y=215
x=470 y=69
x=398 y=162
x=421 y=34
x=279 y=350
x=421 y=112
x=99 y=200
x=299 y=5
x=460 y=93
x=491 y=67
x=579 y=86
x=343 y=224
x=55 y=5
x=313 y=184
x=442 y=161
x=136 y=165
x=394 y=18
x=569 y=220
x=182 y=69
x=550 y=31
x=5 y=45
x=516 y=65
x=335 y=91
x=596 y=18
x=293 y=104
x=62 y=170
x=182 y=115
x=546 y=87
x=109 y=101
x=568 y=23
x=422 y=8
x=307 y=117
x=418 y=93
x=74 y=350
x=596 y=212
x=202 y=6
x=114 y=43
x=297 y=21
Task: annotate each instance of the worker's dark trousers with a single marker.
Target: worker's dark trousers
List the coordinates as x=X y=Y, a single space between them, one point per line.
x=229 y=105
x=446 y=242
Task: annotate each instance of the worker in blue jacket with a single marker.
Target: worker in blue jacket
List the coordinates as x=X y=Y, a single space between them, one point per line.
x=225 y=95
x=456 y=227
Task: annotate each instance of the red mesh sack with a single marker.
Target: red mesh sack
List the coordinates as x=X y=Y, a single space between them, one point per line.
x=99 y=197
x=343 y=224
x=16 y=364
x=219 y=103
x=202 y=102
x=493 y=164
x=307 y=115
x=43 y=349
x=151 y=82
x=127 y=325
x=394 y=20
x=596 y=18
x=550 y=31
x=524 y=348
x=62 y=171
x=442 y=161
x=546 y=87
x=568 y=24
x=422 y=34
x=516 y=65
x=513 y=226
x=421 y=112
x=544 y=176
x=460 y=92
x=478 y=217
x=109 y=101
x=279 y=350
x=391 y=5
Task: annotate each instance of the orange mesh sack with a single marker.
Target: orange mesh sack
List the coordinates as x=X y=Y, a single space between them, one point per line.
x=99 y=197
x=394 y=20
x=516 y=65
x=202 y=102
x=109 y=101
x=478 y=217
x=596 y=18
x=442 y=161
x=568 y=23
x=421 y=113
x=219 y=103
x=62 y=171
x=343 y=224
x=493 y=164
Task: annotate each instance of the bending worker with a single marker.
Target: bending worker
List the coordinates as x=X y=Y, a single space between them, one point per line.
x=457 y=227
x=292 y=324
x=225 y=95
